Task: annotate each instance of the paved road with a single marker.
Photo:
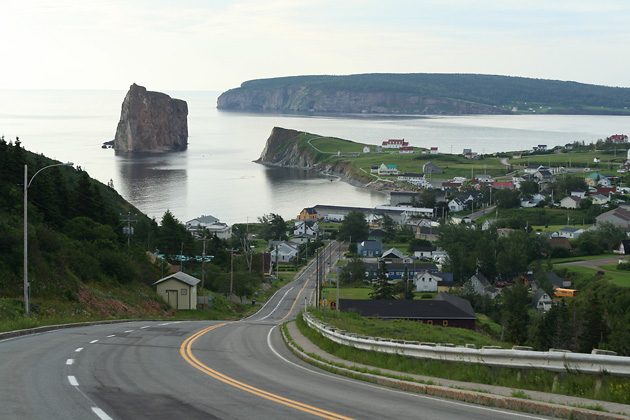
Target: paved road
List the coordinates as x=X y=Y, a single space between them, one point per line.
x=196 y=370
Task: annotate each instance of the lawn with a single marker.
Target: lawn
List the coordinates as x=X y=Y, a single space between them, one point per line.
x=348 y=292
x=618 y=278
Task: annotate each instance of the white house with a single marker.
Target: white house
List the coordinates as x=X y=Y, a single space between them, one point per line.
x=425 y=281
x=394 y=143
x=569 y=232
x=282 y=251
x=455 y=205
x=570 y=202
x=388 y=170
x=482 y=286
x=211 y=224
x=542 y=301
x=306 y=227
x=599 y=199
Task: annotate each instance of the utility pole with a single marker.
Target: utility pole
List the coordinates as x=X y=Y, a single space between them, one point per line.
x=203 y=265
x=231 y=272
x=128 y=230
x=317 y=286
x=181 y=258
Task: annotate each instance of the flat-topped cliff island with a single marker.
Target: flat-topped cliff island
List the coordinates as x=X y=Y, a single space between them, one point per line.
x=424 y=94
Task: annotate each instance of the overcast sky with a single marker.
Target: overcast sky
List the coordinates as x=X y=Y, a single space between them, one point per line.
x=218 y=44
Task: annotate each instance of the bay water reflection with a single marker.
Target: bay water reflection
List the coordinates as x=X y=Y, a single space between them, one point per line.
x=217 y=175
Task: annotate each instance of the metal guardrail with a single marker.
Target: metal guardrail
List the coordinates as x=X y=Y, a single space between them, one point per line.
x=516 y=358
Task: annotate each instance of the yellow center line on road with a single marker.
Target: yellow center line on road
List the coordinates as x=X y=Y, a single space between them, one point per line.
x=186 y=352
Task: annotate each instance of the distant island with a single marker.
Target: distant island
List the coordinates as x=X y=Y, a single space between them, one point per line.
x=425 y=94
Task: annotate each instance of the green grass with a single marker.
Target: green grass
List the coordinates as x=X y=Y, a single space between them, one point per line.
x=615 y=390
x=334 y=145
x=618 y=278
x=408 y=330
x=581 y=258
x=555 y=228
x=349 y=292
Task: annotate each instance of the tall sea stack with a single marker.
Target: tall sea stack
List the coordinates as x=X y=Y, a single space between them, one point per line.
x=151 y=121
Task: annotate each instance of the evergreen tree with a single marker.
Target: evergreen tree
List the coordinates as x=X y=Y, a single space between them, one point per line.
x=382 y=288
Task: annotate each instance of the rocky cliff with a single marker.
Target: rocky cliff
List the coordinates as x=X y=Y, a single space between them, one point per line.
x=151 y=121
x=306 y=99
x=283 y=149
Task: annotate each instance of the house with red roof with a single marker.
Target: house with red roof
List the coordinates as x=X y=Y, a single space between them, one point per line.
x=503 y=185
x=405 y=149
x=619 y=138
x=395 y=144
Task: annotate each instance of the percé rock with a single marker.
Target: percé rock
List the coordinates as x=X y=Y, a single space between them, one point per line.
x=151 y=121
x=306 y=99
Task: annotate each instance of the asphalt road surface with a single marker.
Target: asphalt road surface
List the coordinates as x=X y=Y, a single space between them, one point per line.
x=197 y=370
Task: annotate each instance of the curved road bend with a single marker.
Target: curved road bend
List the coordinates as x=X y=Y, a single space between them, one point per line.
x=197 y=370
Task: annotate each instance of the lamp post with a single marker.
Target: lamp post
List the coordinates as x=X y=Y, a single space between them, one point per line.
x=27 y=183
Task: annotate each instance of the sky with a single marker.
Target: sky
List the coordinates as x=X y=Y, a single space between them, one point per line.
x=218 y=44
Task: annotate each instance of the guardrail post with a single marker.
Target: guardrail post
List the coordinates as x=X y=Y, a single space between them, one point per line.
x=522 y=373
x=556 y=381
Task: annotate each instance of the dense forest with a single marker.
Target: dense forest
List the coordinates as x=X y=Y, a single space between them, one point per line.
x=491 y=90
x=77 y=245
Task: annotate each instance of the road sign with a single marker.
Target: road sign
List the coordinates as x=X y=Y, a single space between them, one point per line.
x=325 y=292
x=323 y=302
x=333 y=306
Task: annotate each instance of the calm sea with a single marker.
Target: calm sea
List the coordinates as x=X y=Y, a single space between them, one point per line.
x=216 y=175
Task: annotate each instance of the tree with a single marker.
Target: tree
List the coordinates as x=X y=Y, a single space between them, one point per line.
x=529 y=188
x=353 y=272
x=354 y=227
x=389 y=226
x=515 y=301
x=507 y=199
x=382 y=288
x=408 y=284
x=274 y=227
x=595 y=331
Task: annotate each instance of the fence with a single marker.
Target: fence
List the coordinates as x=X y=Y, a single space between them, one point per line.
x=519 y=357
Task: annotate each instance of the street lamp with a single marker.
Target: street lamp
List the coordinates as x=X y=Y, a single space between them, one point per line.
x=27 y=184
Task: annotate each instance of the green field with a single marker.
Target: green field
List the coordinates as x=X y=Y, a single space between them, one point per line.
x=616 y=277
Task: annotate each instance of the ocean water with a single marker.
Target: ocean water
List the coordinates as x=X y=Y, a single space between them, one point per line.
x=216 y=175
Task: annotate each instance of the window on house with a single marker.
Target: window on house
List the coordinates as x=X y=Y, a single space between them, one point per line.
x=445 y=323
x=184 y=292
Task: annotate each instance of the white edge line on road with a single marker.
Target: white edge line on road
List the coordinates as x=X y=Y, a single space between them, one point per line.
x=101 y=414
x=146 y=326
x=343 y=378
x=128 y=331
x=279 y=302
x=70 y=362
x=78 y=349
x=111 y=335
x=93 y=341
x=73 y=381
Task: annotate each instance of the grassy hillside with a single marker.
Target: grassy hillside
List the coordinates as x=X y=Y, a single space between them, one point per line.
x=81 y=265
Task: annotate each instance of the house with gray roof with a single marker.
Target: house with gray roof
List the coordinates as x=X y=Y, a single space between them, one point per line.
x=370 y=249
x=441 y=312
x=482 y=286
x=541 y=300
x=179 y=290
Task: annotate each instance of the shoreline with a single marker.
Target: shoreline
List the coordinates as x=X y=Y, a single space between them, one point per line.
x=379 y=187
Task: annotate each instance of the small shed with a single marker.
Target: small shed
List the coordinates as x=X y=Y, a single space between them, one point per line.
x=179 y=290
